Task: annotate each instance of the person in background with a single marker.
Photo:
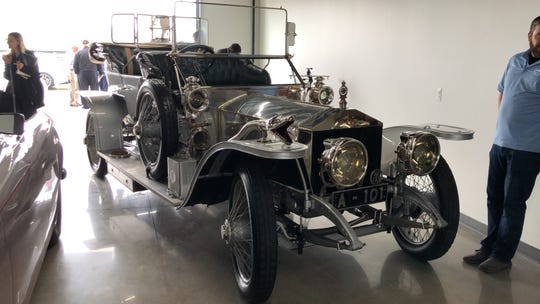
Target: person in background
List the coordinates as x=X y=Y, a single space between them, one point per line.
x=87 y=72
x=103 y=83
x=25 y=88
x=73 y=82
x=198 y=37
x=234 y=48
x=514 y=159
x=98 y=57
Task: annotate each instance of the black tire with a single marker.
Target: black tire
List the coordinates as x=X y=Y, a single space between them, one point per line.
x=157 y=125
x=250 y=231
x=439 y=187
x=47 y=79
x=98 y=164
x=57 y=223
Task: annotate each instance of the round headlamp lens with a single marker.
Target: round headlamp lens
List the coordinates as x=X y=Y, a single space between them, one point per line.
x=326 y=95
x=323 y=95
x=425 y=152
x=346 y=161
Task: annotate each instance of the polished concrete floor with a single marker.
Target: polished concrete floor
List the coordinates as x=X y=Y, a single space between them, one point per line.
x=123 y=247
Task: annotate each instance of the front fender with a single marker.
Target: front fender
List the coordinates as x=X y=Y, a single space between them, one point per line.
x=391 y=139
x=214 y=168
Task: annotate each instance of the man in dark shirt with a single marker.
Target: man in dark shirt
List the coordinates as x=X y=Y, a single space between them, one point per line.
x=87 y=71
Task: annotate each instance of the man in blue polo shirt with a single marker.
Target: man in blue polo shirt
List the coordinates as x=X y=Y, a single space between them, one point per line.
x=514 y=159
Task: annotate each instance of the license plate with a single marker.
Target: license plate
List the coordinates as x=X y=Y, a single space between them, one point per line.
x=359 y=196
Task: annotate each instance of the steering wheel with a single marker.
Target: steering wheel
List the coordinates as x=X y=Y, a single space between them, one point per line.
x=197 y=48
x=196 y=66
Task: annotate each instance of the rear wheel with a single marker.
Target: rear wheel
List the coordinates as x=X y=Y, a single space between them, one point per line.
x=250 y=231
x=47 y=79
x=98 y=164
x=439 y=187
x=156 y=128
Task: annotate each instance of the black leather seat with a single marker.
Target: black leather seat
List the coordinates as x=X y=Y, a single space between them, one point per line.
x=236 y=71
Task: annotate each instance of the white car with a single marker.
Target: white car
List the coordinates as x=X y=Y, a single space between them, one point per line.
x=54 y=68
x=30 y=198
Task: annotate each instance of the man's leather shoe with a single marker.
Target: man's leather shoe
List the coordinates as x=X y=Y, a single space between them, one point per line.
x=476 y=258
x=494 y=265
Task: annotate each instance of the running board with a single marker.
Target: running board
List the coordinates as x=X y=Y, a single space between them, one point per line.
x=130 y=171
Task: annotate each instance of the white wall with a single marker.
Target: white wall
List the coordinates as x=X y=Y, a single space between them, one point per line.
x=394 y=54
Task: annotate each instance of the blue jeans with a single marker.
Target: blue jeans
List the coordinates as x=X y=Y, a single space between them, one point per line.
x=511 y=178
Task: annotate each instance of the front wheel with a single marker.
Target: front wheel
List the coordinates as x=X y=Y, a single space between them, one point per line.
x=250 y=231
x=439 y=187
x=98 y=164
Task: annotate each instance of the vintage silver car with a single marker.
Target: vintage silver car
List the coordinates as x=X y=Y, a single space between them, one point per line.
x=32 y=166
x=200 y=126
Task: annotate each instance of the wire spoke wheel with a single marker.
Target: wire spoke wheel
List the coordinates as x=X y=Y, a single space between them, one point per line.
x=420 y=236
x=439 y=188
x=250 y=232
x=241 y=240
x=149 y=121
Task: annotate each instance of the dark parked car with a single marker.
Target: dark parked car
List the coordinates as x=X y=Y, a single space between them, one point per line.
x=200 y=127
x=30 y=200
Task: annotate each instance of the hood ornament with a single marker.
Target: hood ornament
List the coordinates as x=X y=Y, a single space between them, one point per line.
x=278 y=125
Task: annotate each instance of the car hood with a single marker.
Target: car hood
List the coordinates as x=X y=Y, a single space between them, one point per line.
x=307 y=115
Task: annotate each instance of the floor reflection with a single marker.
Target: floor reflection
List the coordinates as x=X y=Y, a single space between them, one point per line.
x=496 y=288
x=412 y=281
